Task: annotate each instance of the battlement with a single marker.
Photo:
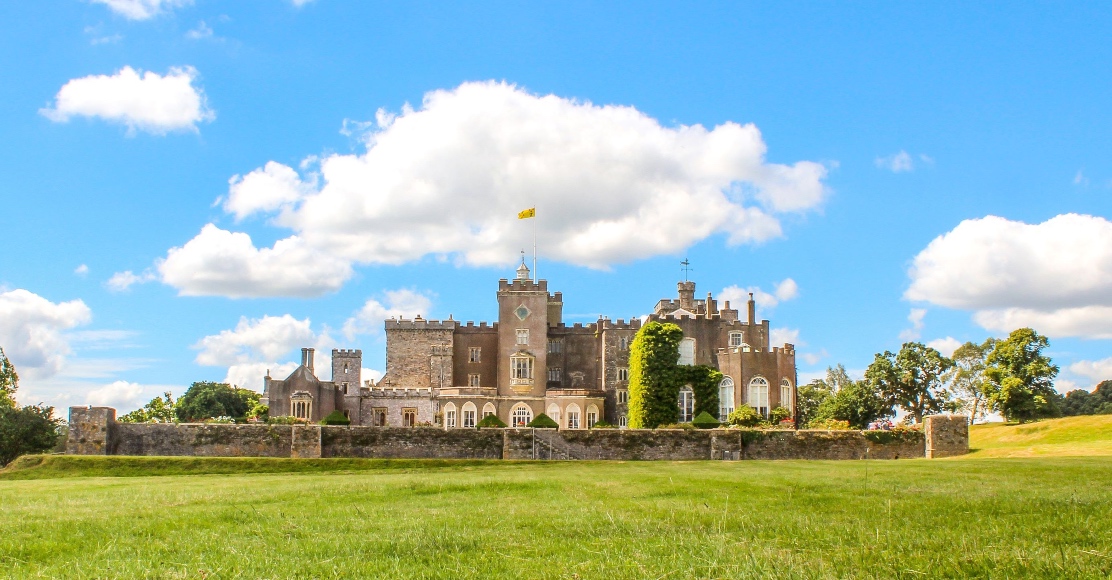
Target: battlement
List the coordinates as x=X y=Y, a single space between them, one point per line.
x=620 y=324
x=481 y=327
x=375 y=391
x=346 y=352
x=519 y=285
x=421 y=324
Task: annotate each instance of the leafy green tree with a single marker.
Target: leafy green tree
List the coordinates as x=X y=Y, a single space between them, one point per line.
x=653 y=390
x=1021 y=378
x=208 y=400
x=158 y=410
x=912 y=379
x=809 y=398
x=967 y=378
x=9 y=381
x=1082 y=402
x=856 y=402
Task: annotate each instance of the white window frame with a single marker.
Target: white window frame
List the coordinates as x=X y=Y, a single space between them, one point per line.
x=623 y=396
x=473 y=380
x=623 y=422
x=623 y=373
x=521 y=415
x=450 y=416
x=573 y=415
x=686 y=404
x=469 y=415
x=687 y=352
x=592 y=416
x=786 y=394
x=725 y=398
x=475 y=354
x=522 y=336
x=553 y=412
x=737 y=338
x=521 y=370
x=757 y=395
x=488 y=409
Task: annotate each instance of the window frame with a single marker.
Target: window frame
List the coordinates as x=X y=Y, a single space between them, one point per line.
x=474 y=354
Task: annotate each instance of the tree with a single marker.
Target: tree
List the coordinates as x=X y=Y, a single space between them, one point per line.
x=1021 y=378
x=967 y=378
x=653 y=391
x=208 y=400
x=704 y=381
x=1082 y=402
x=809 y=398
x=158 y=410
x=912 y=379
x=9 y=382
x=857 y=403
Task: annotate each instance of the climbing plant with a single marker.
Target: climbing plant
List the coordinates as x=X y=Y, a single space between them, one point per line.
x=653 y=390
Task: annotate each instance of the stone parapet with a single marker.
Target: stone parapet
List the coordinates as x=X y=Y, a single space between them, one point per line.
x=90 y=430
x=946 y=435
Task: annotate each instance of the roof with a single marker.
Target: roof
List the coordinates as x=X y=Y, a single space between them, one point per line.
x=301 y=377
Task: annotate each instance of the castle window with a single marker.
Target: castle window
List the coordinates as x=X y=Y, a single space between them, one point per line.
x=623 y=374
x=736 y=339
x=488 y=409
x=725 y=398
x=521 y=312
x=474 y=354
x=450 y=416
x=786 y=394
x=623 y=396
x=409 y=417
x=758 y=395
x=473 y=380
x=554 y=413
x=687 y=351
x=623 y=343
x=345 y=367
x=687 y=404
x=379 y=415
x=469 y=415
x=554 y=345
x=521 y=370
x=345 y=387
x=522 y=336
x=573 y=416
x=301 y=405
x=554 y=375
x=592 y=416
x=623 y=421
x=521 y=415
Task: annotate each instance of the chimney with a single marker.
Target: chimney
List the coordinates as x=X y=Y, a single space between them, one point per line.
x=752 y=309
x=310 y=365
x=304 y=357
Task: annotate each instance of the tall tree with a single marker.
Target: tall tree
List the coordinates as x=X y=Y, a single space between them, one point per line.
x=809 y=398
x=912 y=380
x=967 y=377
x=9 y=381
x=856 y=402
x=1021 y=377
x=208 y=400
x=652 y=388
x=158 y=410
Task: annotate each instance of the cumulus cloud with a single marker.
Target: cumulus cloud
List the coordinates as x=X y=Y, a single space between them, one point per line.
x=123 y=281
x=1094 y=370
x=1055 y=276
x=143 y=101
x=915 y=317
x=780 y=336
x=785 y=290
x=401 y=303
x=202 y=32
x=119 y=394
x=896 y=163
x=270 y=188
x=32 y=330
x=223 y=263
x=81 y=270
x=142 y=9
x=946 y=346
x=250 y=375
x=265 y=338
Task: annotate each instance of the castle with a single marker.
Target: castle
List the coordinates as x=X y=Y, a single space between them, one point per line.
x=451 y=375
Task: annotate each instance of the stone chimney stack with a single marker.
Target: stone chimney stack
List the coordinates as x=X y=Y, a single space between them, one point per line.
x=687 y=295
x=307 y=359
x=310 y=365
x=752 y=309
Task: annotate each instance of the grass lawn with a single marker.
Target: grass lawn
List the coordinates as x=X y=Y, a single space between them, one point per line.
x=1089 y=435
x=999 y=518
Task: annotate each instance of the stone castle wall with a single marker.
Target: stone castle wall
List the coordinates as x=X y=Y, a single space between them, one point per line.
x=94 y=431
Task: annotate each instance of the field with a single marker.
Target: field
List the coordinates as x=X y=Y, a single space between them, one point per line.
x=1070 y=436
x=1032 y=517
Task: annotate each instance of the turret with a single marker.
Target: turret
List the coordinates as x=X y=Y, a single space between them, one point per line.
x=687 y=295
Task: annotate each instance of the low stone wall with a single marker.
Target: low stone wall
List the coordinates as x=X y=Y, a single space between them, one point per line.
x=94 y=431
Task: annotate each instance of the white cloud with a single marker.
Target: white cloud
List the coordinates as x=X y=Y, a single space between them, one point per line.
x=896 y=163
x=1080 y=179
x=202 y=32
x=781 y=336
x=256 y=339
x=1094 y=370
x=250 y=375
x=81 y=270
x=915 y=317
x=812 y=358
x=785 y=290
x=123 y=281
x=1055 y=276
x=300 y=3
x=142 y=9
x=270 y=188
x=610 y=183
x=946 y=346
x=144 y=101
x=401 y=303
x=32 y=330
x=223 y=263
x=119 y=394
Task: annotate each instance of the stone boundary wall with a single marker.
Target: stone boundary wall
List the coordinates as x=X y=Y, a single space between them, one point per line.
x=94 y=431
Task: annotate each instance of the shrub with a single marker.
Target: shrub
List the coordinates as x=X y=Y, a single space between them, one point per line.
x=284 y=420
x=491 y=421
x=543 y=421
x=705 y=421
x=603 y=425
x=684 y=426
x=31 y=429
x=779 y=414
x=745 y=416
x=335 y=418
x=225 y=420
x=829 y=425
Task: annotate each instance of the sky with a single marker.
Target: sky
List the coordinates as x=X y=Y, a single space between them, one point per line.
x=196 y=189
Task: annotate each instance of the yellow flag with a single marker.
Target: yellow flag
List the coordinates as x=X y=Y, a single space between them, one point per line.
x=531 y=212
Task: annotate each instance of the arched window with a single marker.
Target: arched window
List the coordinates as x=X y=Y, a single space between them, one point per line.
x=450 y=416
x=469 y=415
x=725 y=398
x=592 y=416
x=687 y=404
x=521 y=415
x=553 y=412
x=488 y=409
x=573 y=416
x=786 y=394
x=687 y=351
x=623 y=421
x=758 y=395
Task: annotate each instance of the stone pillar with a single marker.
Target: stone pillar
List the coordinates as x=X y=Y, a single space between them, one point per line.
x=90 y=430
x=305 y=442
x=946 y=435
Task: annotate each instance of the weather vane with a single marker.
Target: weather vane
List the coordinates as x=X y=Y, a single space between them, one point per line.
x=686 y=268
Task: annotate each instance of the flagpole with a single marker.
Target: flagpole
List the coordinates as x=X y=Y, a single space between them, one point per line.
x=534 y=244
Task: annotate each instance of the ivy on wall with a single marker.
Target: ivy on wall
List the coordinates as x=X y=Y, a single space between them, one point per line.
x=655 y=379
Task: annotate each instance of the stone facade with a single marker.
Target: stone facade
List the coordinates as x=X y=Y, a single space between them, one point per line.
x=94 y=431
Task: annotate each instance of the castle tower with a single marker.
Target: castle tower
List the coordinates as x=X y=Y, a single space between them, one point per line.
x=523 y=308
x=347 y=370
x=687 y=295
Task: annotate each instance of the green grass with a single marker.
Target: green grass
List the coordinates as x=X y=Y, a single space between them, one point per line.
x=1089 y=435
x=998 y=518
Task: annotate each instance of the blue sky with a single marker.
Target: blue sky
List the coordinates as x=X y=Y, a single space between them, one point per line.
x=195 y=190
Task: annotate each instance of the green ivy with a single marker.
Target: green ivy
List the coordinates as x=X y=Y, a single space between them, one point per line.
x=655 y=379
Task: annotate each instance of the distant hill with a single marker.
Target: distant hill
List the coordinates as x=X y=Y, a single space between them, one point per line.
x=1084 y=435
